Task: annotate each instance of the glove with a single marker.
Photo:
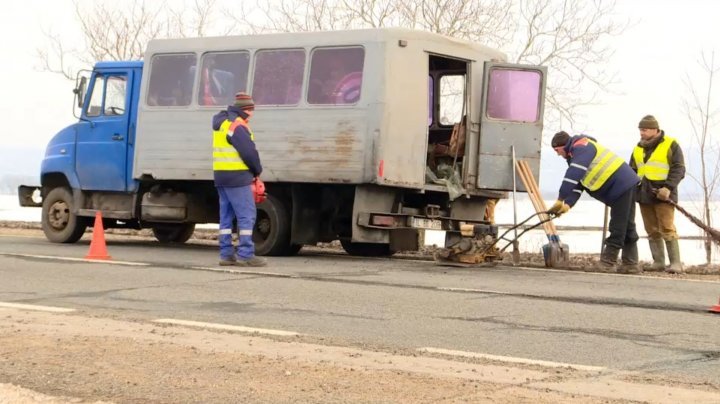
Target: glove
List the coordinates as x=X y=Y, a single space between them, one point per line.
x=258 y=190
x=559 y=207
x=663 y=194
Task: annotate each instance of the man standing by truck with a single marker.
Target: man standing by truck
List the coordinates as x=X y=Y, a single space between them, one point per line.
x=236 y=165
x=659 y=162
x=608 y=179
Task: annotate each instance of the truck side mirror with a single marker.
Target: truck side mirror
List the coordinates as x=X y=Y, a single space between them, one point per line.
x=80 y=91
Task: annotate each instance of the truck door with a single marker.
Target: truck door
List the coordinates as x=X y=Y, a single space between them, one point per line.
x=512 y=115
x=102 y=134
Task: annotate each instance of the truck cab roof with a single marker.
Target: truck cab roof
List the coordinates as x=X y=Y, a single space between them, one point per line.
x=120 y=64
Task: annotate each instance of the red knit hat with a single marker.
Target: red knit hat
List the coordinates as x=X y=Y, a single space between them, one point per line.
x=244 y=101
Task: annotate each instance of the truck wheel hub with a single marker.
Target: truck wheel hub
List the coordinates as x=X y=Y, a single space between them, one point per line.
x=59 y=215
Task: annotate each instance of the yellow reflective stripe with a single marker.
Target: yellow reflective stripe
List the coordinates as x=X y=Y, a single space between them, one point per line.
x=657 y=168
x=598 y=161
x=602 y=167
x=228 y=155
x=228 y=160
x=657 y=164
x=224 y=150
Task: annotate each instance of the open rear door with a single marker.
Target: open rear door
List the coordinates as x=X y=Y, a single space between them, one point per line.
x=513 y=103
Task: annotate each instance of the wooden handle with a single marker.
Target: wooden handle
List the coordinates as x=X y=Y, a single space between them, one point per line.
x=528 y=180
x=536 y=188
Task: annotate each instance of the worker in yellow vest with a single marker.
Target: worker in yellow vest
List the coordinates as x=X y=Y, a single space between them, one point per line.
x=659 y=162
x=606 y=177
x=236 y=165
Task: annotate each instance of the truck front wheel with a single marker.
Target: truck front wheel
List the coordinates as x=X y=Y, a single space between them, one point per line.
x=59 y=223
x=174 y=233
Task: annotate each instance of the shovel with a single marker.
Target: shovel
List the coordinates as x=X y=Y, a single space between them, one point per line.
x=555 y=253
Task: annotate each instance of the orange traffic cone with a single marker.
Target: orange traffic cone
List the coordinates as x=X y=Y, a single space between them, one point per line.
x=98 y=249
x=716 y=308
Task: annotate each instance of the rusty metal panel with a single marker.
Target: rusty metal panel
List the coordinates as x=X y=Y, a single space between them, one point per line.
x=331 y=147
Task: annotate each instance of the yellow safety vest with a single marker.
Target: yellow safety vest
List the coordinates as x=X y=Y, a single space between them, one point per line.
x=602 y=167
x=225 y=157
x=657 y=168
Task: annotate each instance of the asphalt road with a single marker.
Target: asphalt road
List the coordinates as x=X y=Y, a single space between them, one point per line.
x=620 y=322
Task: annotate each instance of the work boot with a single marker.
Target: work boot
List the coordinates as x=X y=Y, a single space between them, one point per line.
x=673 y=249
x=629 y=260
x=251 y=262
x=657 y=249
x=224 y=262
x=608 y=258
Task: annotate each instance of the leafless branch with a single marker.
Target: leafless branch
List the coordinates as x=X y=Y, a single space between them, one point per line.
x=702 y=116
x=121 y=30
x=570 y=38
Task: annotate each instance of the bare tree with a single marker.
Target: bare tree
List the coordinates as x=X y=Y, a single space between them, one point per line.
x=702 y=113
x=568 y=36
x=121 y=30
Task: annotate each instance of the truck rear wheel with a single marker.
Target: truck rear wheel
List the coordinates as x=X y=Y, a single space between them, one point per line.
x=367 y=249
x=174 y=233
x=59 y=223
x=271 y=234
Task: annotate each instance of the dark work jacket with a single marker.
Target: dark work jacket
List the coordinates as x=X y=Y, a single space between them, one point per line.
x=244 y=145
x=580 y=155
x=677 y=172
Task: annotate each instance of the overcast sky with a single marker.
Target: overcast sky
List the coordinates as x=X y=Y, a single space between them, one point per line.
x=652 y=58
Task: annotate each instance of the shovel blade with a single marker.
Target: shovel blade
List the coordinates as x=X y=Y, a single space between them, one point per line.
x=556 y=254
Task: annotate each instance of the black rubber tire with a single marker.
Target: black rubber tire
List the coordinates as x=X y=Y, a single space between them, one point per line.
x=367 y=249
x=174 y=233
x=59 y=223
x=271 y=234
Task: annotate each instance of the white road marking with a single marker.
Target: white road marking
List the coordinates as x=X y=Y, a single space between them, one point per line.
x=494 y=292
x=232 y=270
x=34 y=307
x=226 y=327
x=60 y=258
x=512 y=359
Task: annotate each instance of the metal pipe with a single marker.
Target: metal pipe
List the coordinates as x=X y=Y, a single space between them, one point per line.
x=604 y=229
x=514 y=180
x=515 y=243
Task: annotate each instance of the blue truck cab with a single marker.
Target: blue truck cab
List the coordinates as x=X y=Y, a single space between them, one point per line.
x=88 y=165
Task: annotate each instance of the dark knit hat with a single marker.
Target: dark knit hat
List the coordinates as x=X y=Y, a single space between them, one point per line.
x=648 y=122
x=560 y=139
x=244 y=101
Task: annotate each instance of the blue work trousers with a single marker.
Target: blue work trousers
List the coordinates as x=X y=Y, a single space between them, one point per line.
x=622 y=228
x=236 y=203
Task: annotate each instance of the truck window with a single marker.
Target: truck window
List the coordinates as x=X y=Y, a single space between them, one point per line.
x=221 y=76
x=171 y=80
x=452 y=92
x=336 y=76
x=278 y=77
x=514 y=95
x=115 y=95
x=94 y=107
